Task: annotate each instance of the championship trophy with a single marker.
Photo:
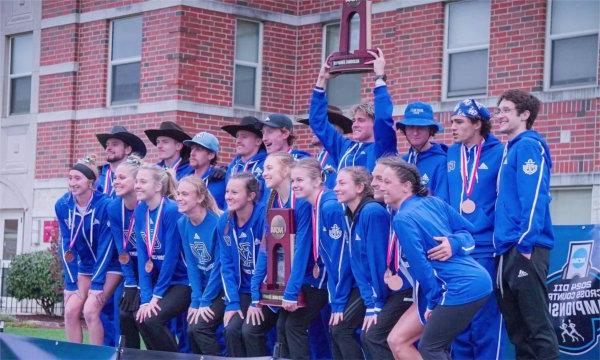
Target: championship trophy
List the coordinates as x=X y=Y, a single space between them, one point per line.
x=279 y=242
x=345 y=61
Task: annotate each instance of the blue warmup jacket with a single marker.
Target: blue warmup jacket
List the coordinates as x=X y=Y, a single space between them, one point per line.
x=254 y=166
x=399 y=260
x=456 y=281
x=483 y=195
x=368 y=228
x=117 y=223
x=298 y=154
x=101 y=181
x=94 y=248
x=523 y=205
x=346 y=152
x=183 y=169
x=432 y=167
x=239 y=247
x=303 y=262
x=329 y=168
x=200 y=245
x=169 y=265
x=215 y=187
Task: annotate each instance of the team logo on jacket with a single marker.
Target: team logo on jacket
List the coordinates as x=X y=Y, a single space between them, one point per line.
x=424 y=179
x=530 y=167
x=201 y=253
x=574 y=300
x=245 y=255
x=451 y=165
x=335 y=232
x=157 y=244
x=227 y=240
x=483 y=166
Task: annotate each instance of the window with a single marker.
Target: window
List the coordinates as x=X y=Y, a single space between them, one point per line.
x=125 y=58
x=571 y=206
x=343 y=90
x=572 y=43
x=248 y=46
x=21 y=66
x=466 y=50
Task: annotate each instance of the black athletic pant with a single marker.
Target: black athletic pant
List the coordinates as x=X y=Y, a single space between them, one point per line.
x=375 y=340
x=344 y=342
x=444 y=325
x=129 y=329
x=255 y=336
x=523 y=300
x=203 y=334
x=292 y=327
x=154 y=330
x=233 y=331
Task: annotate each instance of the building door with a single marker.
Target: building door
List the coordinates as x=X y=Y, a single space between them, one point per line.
x=11 y=230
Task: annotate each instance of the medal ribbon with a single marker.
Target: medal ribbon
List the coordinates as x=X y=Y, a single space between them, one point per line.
x=150 y=243
x=73 y=236
x=392 y=252
x=324 y=156
x=469 y=177
x=126 y=235
x=175 y=166
x=412 y=156
x=316 y=226
x=108 y=182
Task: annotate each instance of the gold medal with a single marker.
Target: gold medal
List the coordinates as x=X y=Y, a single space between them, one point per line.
x=149 y=266
x=394 y=282
x=468 y=206
x=69 y=256
x=124 y=258
x=316 y=271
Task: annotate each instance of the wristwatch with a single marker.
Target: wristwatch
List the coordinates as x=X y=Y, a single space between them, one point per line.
x=382 y=77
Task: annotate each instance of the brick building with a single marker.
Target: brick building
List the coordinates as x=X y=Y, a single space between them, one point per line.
x=72 y=68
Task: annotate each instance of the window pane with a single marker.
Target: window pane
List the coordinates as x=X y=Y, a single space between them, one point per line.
x=21 y=54
x=468 y=23
x=571 y=206
x=127 y=38
x=11 y=230
x=245 y=80
x=125 y=83
x=354 y=32
x=468 y=73
x=574 y=15
x=332 y=39
x=20 y=95
x=246 y=41
x=344 y=90
x=574 y=61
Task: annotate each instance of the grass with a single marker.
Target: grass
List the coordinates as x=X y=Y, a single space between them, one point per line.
x=43 y=333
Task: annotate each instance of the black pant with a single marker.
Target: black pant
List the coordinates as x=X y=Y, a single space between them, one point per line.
x=233 y=331
x=129 y=329
x=203 y=334
x=344 y=344
x=445 y=323
x=255 y=336
x=154 y=330
x=375 y=340
x=523 y=300
x=292 y=327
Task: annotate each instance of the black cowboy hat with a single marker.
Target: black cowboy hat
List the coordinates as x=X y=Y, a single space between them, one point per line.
x=121 y=133
x=248 y=123
x=336 y=117
x=172 y=130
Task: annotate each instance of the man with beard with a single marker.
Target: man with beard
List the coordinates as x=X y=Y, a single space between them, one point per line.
x=173 y=155
x=204 y=149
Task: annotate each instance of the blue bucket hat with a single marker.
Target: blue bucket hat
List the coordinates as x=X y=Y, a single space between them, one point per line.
x=419 y=114
x=472 y=109
x=206 y=140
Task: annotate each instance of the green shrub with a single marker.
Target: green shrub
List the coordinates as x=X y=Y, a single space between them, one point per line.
x=36 y=276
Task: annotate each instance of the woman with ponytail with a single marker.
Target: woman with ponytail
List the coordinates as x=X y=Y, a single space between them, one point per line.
x=240 y=230
x=120 y=213
x=163 y=281
x=87 y=252
x=455 y=287
x=198 y=230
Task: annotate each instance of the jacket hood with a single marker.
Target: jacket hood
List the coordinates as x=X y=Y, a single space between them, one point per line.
x=534 y=135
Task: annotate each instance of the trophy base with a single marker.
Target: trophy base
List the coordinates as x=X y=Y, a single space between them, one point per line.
x=348 y=63
x=274 y=297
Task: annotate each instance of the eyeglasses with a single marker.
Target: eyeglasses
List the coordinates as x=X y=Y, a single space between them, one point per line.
x=505 y=110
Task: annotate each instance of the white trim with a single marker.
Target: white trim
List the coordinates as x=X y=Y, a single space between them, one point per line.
x=256 y=65
x=60 y=68
x=535 y=199
x=549 y=39
x=122 y=61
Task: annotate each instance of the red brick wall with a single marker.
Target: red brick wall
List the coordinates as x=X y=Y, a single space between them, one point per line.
x=52 y=8
x=92 y=55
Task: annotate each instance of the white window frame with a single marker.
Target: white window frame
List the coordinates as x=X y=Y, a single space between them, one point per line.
x=12 y=76
x=129 y=60
x=258 y=66
x=548 y=53
x=446 y=60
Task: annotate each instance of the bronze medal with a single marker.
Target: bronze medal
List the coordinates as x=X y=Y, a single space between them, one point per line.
x=468 y=206
x=69 y=256
x=316 y=271
x=124 y=258
x=394 y=282
x=149 y=266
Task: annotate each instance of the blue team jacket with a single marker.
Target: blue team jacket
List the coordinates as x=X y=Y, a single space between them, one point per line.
x=432 y=167
x=458 y=280
x=523 y=205
x=368 y=229
x=303 y=262
x=399 y=264
x=215 y=187
x=239 y=247
x=254 y=166
x=346 y=152
x=94 y=248
x=483 y=195
x=100 y=183
x=169 y=265
x=200 y=245
x=183 y=169
x=115 y=209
